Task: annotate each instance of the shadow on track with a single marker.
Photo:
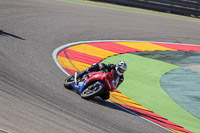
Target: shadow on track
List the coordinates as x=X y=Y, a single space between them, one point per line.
x=108 y=104
x=2 y=33
x=105 y=103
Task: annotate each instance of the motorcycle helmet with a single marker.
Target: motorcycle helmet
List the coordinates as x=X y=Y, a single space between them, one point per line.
x=121 y=67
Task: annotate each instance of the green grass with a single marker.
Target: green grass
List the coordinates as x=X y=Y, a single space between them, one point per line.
x=142 y=84
x=112 y=6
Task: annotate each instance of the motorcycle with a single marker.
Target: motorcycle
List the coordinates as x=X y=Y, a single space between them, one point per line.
x=93 y=84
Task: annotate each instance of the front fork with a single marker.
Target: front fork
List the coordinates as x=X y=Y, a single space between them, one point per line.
x=97 y=84
x=81 y=85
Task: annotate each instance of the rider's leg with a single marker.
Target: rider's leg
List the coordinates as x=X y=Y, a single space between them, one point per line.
x=79 y=75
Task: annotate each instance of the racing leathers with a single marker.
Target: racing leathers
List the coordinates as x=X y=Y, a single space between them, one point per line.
x=100 y=67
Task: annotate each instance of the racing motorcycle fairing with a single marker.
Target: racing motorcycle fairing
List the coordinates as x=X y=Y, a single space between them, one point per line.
x=112 y=80
x=81 y=85
x=94 y=83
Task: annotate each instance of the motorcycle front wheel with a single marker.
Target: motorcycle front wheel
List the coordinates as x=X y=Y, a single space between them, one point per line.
x=89 y=93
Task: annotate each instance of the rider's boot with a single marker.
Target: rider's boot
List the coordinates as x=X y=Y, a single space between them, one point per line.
x=79 y=75
x=75 y=77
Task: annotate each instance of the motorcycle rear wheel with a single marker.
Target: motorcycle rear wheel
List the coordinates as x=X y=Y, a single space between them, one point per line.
x=68 y=81
x=88 y=93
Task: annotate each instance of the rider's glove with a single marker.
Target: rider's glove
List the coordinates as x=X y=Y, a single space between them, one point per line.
x=102 y=68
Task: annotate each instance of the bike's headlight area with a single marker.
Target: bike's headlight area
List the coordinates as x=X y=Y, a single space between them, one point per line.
x=108 y=84
x=114 y=84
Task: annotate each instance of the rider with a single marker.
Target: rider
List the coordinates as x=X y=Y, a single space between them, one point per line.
x=120 y=67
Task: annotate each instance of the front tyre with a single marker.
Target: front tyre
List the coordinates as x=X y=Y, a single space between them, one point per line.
x=105 y=96
x=89 y=93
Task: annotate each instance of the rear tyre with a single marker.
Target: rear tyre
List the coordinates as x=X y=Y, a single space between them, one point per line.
x=68 y=81
x=91 y=93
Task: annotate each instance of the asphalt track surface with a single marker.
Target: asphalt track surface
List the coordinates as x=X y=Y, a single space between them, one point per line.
x=32 y=96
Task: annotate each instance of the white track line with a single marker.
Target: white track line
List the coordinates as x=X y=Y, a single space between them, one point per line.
x=57 y=50
x=140 y=116
x=4 y=131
